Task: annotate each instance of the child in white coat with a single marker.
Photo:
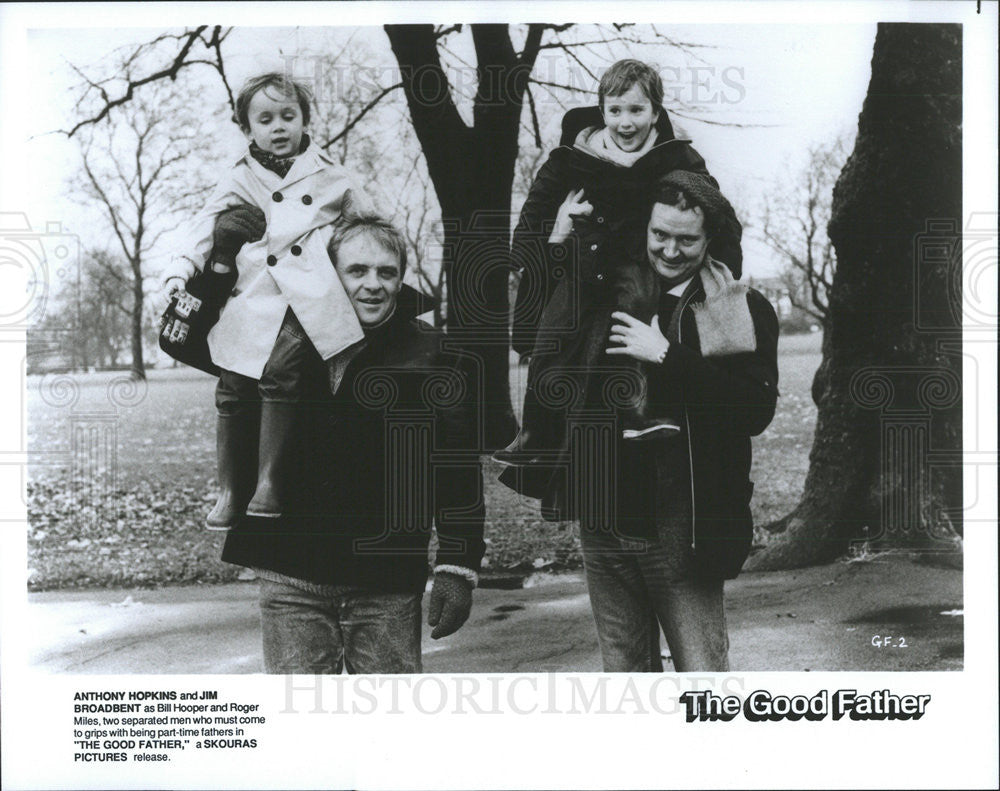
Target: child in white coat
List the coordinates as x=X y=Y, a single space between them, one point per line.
x=285 y=302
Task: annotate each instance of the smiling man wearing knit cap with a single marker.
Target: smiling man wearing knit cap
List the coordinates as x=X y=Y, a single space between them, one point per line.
x=681 y=520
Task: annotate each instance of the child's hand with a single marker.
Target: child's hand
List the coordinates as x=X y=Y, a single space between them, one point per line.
x=639 y=341
x=574 y=206
x=166 y=292
x=234 y=228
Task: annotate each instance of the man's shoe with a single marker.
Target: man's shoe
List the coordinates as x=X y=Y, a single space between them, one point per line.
x=652 y=430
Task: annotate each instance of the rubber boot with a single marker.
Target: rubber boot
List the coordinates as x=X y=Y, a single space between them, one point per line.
x=236 y=450
x=277 y=422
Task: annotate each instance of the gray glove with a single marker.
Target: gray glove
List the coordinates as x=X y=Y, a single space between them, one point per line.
x=451 y=602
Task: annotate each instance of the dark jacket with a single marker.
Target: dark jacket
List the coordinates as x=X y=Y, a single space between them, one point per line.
x=387 y=457
x=722 y=401
x=620 y=197
x=726 y=400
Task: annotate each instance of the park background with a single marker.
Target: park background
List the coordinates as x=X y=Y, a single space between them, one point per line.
x=120 y=441
x=756 y=108
x=947 y=749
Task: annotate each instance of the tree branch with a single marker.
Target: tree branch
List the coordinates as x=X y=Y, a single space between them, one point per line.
x=546 y=83
x=439 y=127
x=534 y=118
x=170 y=71
x=579 y=62
x=108 y=204
x=364 y=111
x=730 y=124
x=566 y=44
x=216 y=43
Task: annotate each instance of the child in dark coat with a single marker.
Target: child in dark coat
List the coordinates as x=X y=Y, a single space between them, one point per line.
x=576 y=245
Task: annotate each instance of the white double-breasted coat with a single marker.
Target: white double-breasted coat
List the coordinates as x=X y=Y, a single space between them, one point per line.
x=289 y=267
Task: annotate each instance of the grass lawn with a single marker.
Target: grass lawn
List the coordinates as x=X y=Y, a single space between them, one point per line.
x=121 y=476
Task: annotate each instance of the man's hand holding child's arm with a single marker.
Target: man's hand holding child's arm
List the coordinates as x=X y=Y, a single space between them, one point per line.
x=636 y=339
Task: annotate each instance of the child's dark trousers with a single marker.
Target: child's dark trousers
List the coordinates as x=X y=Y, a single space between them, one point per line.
x=570 y=370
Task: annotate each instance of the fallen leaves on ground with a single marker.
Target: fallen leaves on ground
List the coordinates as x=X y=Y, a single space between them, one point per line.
x=82 y=536
x=142 y=523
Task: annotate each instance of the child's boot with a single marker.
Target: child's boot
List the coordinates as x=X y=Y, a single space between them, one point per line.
x=277 y=422
x=635 y=419
x=638 y=425
x=529 y=442
x=236 y=451
x=519 y=452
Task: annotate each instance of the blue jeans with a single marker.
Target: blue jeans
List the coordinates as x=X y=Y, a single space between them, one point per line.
x=355 y=629
x=633 y=594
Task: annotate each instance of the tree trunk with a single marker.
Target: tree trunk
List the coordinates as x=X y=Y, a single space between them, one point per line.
x=472 y=169
x=885 y=462
x=138 y=370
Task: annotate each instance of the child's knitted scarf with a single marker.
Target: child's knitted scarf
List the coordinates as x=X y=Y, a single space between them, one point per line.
x=597 y=142
x=274 y=163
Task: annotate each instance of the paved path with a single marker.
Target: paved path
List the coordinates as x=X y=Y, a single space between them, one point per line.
x=821 y=618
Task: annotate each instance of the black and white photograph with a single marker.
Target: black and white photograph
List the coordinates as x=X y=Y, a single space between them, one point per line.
x=499 y=378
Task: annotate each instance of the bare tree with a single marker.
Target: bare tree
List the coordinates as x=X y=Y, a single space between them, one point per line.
x=103 y=308
x=89 y=319
x=793 y=222
x=420 y=219
x=139 y=166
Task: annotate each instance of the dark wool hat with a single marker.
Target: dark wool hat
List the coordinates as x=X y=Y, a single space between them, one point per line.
x=720 y=217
